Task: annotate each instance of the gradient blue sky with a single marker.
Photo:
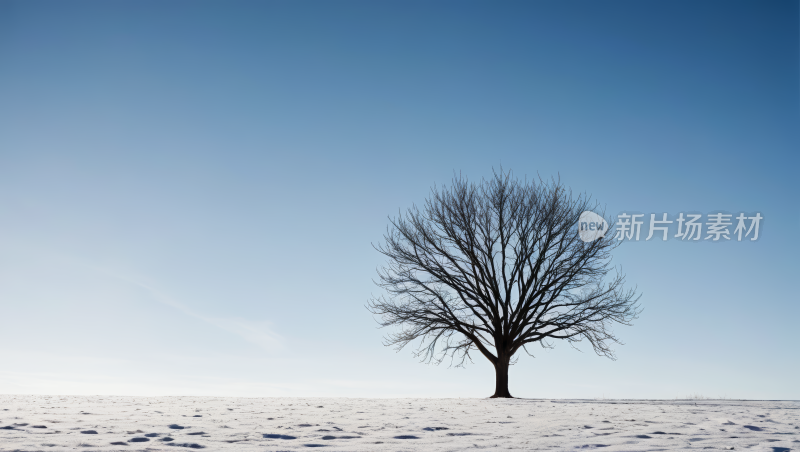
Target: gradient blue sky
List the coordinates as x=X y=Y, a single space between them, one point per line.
x=189 y=190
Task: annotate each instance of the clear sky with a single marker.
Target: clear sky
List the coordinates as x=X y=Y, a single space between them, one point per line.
x=189 y=191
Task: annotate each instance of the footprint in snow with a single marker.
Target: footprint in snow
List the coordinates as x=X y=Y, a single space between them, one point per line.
x=89 y=432
x=189 y=445
x=176 y=427
x=274 y=436
x=406 y=437
x=138 y=440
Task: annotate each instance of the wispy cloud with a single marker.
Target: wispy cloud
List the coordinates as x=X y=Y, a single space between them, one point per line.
x=258 y=333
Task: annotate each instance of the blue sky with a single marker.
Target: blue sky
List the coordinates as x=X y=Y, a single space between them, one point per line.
x=189 y=191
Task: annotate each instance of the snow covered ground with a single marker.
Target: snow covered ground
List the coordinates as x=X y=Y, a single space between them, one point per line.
x=55 y=423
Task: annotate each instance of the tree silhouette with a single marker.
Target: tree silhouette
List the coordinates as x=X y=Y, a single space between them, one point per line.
x=495 y=267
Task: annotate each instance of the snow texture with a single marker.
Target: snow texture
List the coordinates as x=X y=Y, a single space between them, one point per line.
x=59 y=423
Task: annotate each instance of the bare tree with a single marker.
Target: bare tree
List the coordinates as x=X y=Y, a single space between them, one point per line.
x=495 y=267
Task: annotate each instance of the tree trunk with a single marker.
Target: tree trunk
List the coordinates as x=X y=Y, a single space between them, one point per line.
x=501 y=377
